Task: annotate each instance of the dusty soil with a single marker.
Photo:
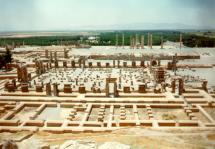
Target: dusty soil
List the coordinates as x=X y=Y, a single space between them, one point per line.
x=137 y=138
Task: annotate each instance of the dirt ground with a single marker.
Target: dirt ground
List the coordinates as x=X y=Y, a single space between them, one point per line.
x=137 y=138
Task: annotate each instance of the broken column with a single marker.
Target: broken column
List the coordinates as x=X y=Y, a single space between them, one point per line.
x=73 y=64
x=173 y=86
x=204 y=85
x=98 y=64
x=39 y=88
x=133 y=64
x=142 y=88
x=48 y=89
x=118 y=63
x=55 y=89
x=65 y=53
x=124 y=64
x=67 y=88
x=142 y=63
x=56 y=63
x=90 y=64
x=82 y=90
x=116 y=94
x=65 y=64
x=24 y=87
x=107 y=89
x=55 y=55
x=46 y=53
x=181 y=86
x=126 y=89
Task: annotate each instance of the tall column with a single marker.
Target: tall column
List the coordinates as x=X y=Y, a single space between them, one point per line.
x=148 y=39
x=162 y=42
x=117 y=41
x=173 y=86
x=131 y=42
x=48 y=89
x=51 y=57
x=136 y=41
x=181 y=86
x=55 y=88
x=180 y=41
x=204 y=85
x=123 y=40
x=151 y=41
x=142 y=42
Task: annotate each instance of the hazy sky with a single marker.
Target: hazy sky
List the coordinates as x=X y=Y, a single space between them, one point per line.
x=70 y=14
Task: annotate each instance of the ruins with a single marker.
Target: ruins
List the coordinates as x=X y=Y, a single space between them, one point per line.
x=63 y=91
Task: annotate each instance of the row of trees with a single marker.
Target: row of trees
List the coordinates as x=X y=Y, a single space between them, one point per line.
x=109 y=38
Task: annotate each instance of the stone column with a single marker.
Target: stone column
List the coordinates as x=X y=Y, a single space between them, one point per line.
x=51 y=57
x=142 y=63
x=161 y=42
x=48 y=89
x=115 y=90
x=118 y=63
x=46 y=53
x=123 y=40
x=117 y=41
x=204 y=85
x=55 y=55
x=133 y=64
x=142 y=42
x=180 y=41
x=136 y=41
x=55 y=89
x=125 y=64
x=181 y=86
x=65 y=64
x=56 y=63
x=65 y=53
x=73 y=64
x=142 y=88
x=90 y=64
x=151 y=41
x=107 y=89
x=148 y=39
x=114 y=64
x=173 y=86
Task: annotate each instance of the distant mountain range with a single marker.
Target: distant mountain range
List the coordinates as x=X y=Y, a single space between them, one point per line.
x=146 y=26
x=131 y=26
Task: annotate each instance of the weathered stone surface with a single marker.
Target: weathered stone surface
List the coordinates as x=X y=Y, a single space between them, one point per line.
x=71 y=144
x=113 y=145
